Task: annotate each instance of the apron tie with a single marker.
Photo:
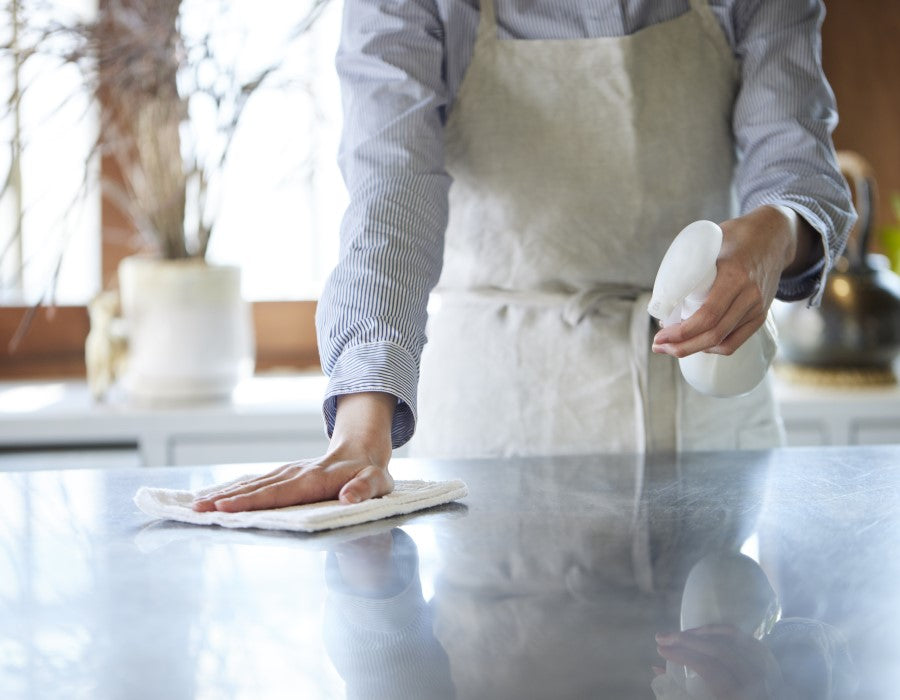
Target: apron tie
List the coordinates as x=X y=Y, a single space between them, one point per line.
x=652 y=374
x=654 y=382
x=590 y=300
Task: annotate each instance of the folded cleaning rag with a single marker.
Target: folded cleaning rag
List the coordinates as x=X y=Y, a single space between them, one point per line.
x=407 y=497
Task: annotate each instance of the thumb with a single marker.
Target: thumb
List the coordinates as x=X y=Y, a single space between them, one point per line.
x=370 y=482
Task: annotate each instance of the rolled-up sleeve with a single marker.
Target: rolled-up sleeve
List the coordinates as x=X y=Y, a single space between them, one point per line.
x=783 y=120
x=372 y=312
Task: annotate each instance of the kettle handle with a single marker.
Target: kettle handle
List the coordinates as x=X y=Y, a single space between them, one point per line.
x=858 y=170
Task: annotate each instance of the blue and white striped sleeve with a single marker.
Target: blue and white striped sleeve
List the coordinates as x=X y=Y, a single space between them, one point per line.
x=372 y=312
x=783 y=119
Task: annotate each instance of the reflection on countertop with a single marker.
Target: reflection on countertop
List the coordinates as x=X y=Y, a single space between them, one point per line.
x=550 y=581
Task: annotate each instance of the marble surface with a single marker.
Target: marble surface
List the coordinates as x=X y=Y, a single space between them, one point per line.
x=548 y=581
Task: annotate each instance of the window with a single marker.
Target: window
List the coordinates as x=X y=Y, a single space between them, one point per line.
x=44 y=168
x=279 y=200
x=282 y=196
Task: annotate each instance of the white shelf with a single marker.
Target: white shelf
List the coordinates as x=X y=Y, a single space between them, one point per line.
x=271 y=418
x=277 y=418
x=826 y=415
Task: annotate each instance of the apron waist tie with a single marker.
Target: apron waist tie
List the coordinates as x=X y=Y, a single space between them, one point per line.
x=653 y=374
x=653 y=379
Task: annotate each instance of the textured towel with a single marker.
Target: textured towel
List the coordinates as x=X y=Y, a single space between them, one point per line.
x=407 y=496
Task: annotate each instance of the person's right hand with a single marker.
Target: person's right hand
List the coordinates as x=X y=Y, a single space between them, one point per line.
x=354 y=469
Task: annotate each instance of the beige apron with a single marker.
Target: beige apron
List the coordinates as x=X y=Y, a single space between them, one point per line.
x=574 y=164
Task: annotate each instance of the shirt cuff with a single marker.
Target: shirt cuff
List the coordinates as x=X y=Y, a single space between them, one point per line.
x=802 y=285
x=380 y=366
x=810 y=283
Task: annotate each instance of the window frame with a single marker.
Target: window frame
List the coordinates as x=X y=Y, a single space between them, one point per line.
x=53 y=346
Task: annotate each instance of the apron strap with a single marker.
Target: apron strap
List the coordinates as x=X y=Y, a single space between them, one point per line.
x=487 y=24
x=711 y=26
x=655 y=379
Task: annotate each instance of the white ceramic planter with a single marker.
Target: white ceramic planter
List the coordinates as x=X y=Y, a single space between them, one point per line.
x=190 y=332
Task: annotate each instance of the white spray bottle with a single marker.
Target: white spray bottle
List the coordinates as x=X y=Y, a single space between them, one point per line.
x=685 y=276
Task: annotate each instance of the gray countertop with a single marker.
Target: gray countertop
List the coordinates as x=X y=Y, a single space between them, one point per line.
x=547 y=581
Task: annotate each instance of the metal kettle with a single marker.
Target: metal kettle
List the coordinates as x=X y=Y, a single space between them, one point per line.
x=857 y=325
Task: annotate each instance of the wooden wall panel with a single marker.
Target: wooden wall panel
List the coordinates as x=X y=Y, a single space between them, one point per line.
x=861 y=57
x=53 y=346
x=285 y=334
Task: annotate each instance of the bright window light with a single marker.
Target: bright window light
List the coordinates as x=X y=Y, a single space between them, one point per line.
x=280 y=197
x=60 y=218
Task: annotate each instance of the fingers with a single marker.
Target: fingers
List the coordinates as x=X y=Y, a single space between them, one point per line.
x=719 y=650
x=737 y=337
x=746 y=646
x=721 y=325
x=208 y=500
x=730 y=663
x=350 y=480
x=368 y=483
x=289 y=491
x=713 y=673
x=294 y=485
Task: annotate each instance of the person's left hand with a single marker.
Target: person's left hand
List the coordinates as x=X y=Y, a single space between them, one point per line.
x=734 y=665
x=756 y=250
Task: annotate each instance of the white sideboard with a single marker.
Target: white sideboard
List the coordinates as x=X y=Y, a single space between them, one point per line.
x=278 y=419
x=271 y=419
x=816 y=415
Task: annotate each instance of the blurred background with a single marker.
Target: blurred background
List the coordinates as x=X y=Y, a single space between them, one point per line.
x=281 y=197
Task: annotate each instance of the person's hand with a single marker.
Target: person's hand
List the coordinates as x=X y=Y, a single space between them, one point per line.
x=354 y=469
x=756 y=250
x=732 y=664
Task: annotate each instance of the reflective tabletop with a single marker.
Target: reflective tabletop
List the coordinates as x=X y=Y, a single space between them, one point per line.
x=549 y=580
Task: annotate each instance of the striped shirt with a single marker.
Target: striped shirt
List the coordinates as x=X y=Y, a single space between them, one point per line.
x=401 y=62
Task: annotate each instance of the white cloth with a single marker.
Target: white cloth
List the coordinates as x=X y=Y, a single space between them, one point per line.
x=407 y=497
x=574 y=165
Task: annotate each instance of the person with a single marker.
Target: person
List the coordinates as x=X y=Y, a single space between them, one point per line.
x=579 y=138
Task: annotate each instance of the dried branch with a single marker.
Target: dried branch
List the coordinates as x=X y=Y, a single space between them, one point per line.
x=137 y=61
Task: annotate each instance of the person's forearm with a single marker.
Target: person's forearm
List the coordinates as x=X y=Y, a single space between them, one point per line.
x=371 y=316
x=787 y=152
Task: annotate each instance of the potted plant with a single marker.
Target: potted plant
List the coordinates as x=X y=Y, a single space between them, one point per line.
x=170 y=102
